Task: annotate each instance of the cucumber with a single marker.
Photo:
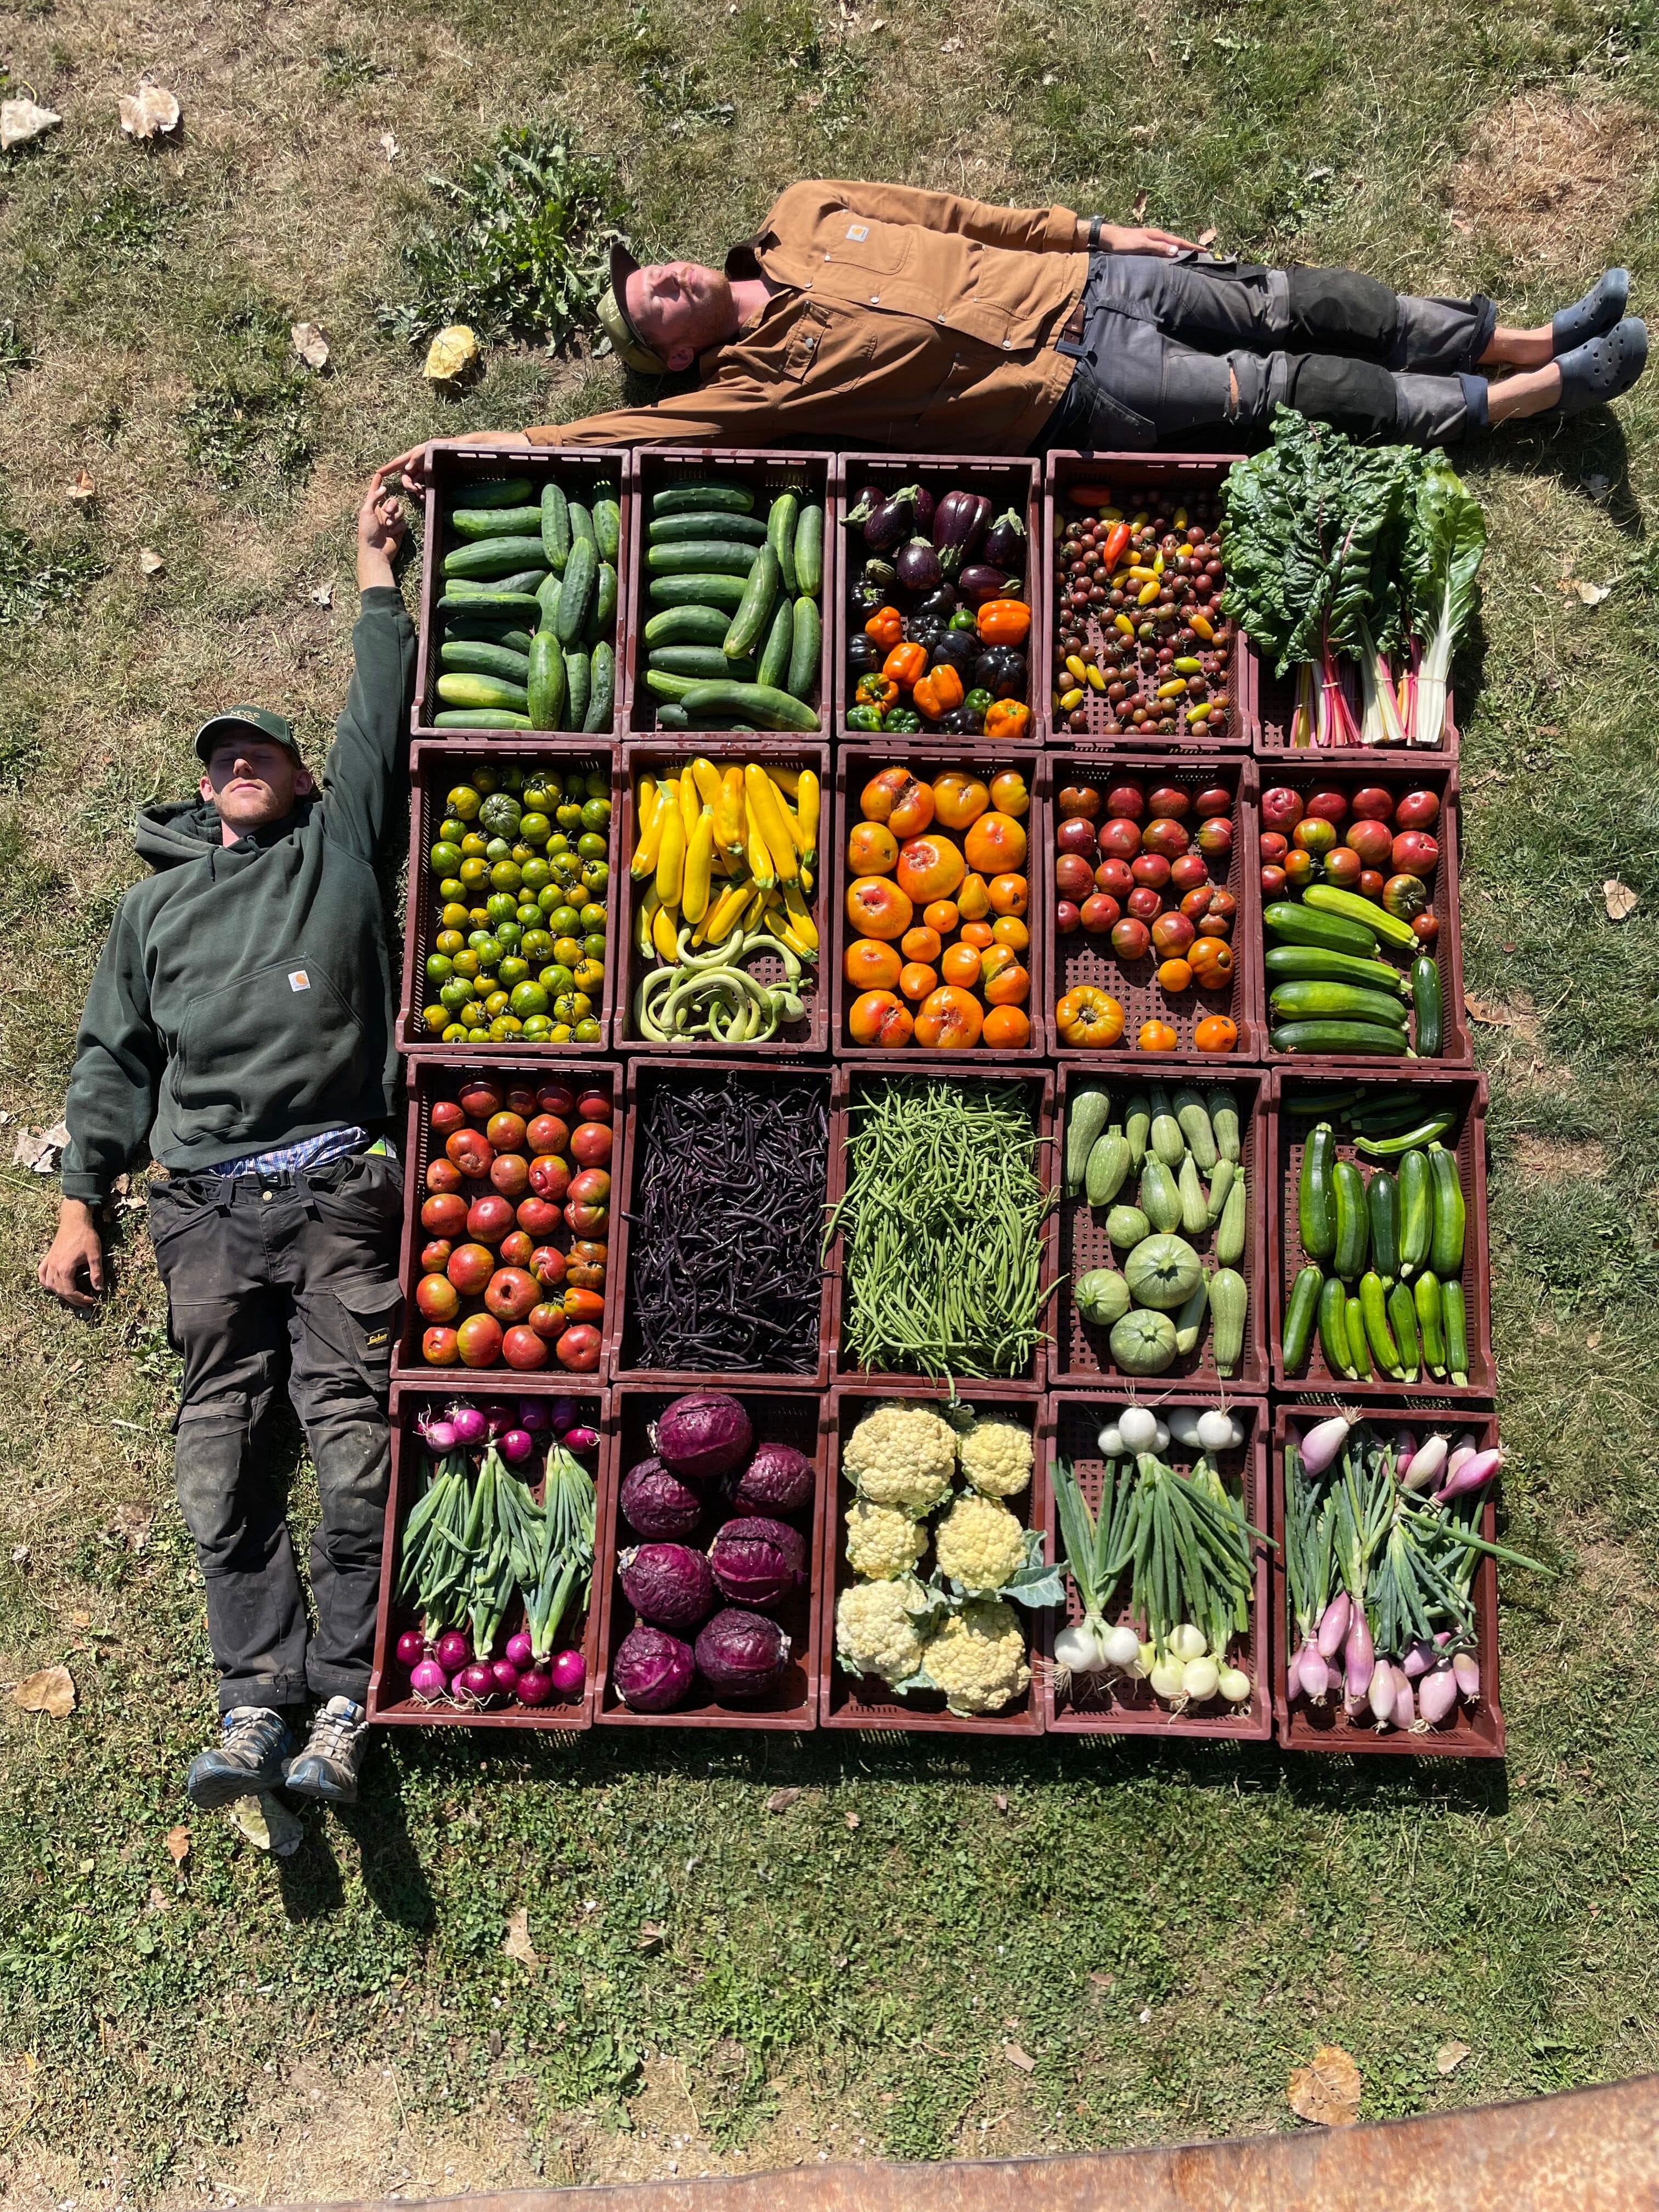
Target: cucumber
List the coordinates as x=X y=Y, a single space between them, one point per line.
x=494 y=556
x=1304 y=1002
x=774 y=664
x=1448 y=1211
x=464 y=691
x=582 y=527
x=602 y=690
x=479 y=718
x=478 y=659
x=1334 y=1328
x=1229 y=1302
x=705 y=660
x=496 y=521
x=1315 y=1200
x=548 y=595
x=500 y=491
x=677 y=529
x=1328 y=1037
x=766 y=708
x=521 y=580
x=705 y=589
x=1085 y=1123
x=754 y=614
x=607 y=523
x=1428 y=1006
x=806 y=650
x=1194 y=1201
x=687 y=626
x=576 y=589
x=1299 y=1316
x=1297 y=964
x=1383 y=1211
x=700 y=556
x=699 y=491
x=556 y=527
x=780 y=536
x=809 y=552
x=1416 y=1212
x=602 y=615
x=578 y=676
x=1304 y=926
x=546 y=686
x=662 y=685
x=670 y=717
x=1352 y=1221
x=1349 y=906
x=460 y=629
x=502 y=606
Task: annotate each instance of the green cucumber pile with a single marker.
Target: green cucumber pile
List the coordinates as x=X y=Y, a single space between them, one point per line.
x=1383 y=1236
x=734 y=638
x=529 y=609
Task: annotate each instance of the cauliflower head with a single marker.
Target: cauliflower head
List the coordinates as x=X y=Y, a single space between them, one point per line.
x=996 y=1457
x=979 y=1543
x=902 y=1454
x=978 y=1657
x=875 y=1634
x=881 y=1541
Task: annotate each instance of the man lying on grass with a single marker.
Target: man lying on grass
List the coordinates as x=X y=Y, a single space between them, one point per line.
x=240 y=1027
x=873 y=314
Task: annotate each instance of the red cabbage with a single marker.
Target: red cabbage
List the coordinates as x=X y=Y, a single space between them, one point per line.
x=758 y=1562
x=652 y=1673
x=657 y=1504
x=702 y=1435
x=668 y=1585
x=777 y=1479
x=742 y=1655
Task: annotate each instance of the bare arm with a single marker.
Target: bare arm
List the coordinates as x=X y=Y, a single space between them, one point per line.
x=75 y=1257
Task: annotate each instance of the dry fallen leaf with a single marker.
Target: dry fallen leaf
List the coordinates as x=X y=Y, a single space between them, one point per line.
x=651 y=1936
x=516 y=1942
x=52 y=1691
x=1138 y=212
x=323 y=596
x=852 y=1822
x=150 y=112
x=151 y=562
x=1327 y=2092
x=268 y=1825
x=1622 y=901
x=83 y=488
x=1016 y=2056
x=178 y=1841
x=389 y=146
x=950 y=46
x=310 y=344
x=451 y=356
x=781 y=1800
x=20 y=1555
x=1493 y=1017
x=1208 y=238
x=1101 y=1982
x=1000 y=1802
x=1451 y=2057
x=39 y=1149
x=132 y=1524
x=1592 y=594
x=21 y=121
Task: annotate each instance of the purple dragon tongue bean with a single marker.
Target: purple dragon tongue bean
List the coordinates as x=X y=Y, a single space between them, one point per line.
x=1358 y=1657
x=1316 y=1676
x=1466 y=1670
x=1333 y=1625
x=1437 y=1694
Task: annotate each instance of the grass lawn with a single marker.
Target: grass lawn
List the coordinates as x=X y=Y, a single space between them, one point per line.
x=1164 y=1934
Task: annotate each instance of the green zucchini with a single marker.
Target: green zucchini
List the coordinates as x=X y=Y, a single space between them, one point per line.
x=602 y=615
x=546 y=685
x=479 y=718
x=1194 y=1203
x=1136 y=1126
x=702 y=590
x=767 y=710
x=705 y=660
x=1299 y=1313
x=582 y=527
x=494 y=556
x=1335 y=1037
x=1455 y=1326
x=1086 y=1121
x=700 y=556
x=806 y=650
x=1302 y=926
x=702 y=491
x=1195 y=1121
x=1359 y=1349
x=482 y=660
x=1160 y=1195
x=1402 y=1320
x=1229 y=1302
x=1315 y=1002
x=502 y=606
x=1364 y=912
x=495 y=521
x=1405 y=1141
x=686 y=626
x=1190 y=1318
x=499 y=491
x=1382 y=1211
x=464 y=691
x=576 y=589
x=1297 y=963
x=1448 y=1211
x=1108 y=1167
x=677 y=529
x=578 y=673
x=774 y=664
x=1315 y=1203
x=1222 y=1107
x=1374 y=1306
x=1221 y=1182
x=780 y=537
x=1352 y=1221
x=555 y=527
x=607 y=523
x=1168 y=1142
x=1425 y=1296
x=748 y=624
x=1229 y=1229
x=1428 y=1006
x=809 y=552
x=602 y=689
x=1416 y=1212
x=1334 y=1328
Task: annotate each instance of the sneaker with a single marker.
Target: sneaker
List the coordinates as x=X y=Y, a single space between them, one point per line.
x=329 y=1765
x=1594 y=315
x=1599 y=370
x=253 y=1743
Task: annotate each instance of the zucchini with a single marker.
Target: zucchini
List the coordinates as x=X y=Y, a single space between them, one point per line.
x=1190 y=1319
x=1316 y=1001
x=1085 y=1122
x=809 y=552
x=1402 y=1320
x=601 y=691
x=702 y=590
x=546 y=685
x=1297 y=964
x=1194 y=1202
x=780 y=537
x=1315 y=1205
x=676 y=529
x=1168 y=1141
x=767 y=710
x=1405 y=1141
x=1455 y=1326
x=1352 y=1221
x=576 y=589
x=1136 y=1126
x=1302 y=926
x=748 y=624
x=1383 y=1211
x=686 y=626
x=1299 y=1313
x=1448 y=1211
x=1425 y=1296
x=1359 y=1349
x=1220 y=1183
x=555 y=527
x=1428 y=1006
x=1190 y=1113
x=482 y=660
x=479 y=718
x=463 y=691
x=607 y=523
x=1374 y=1310
x=578 y=674
x=774 y=664
x=494 y=556
x=702 y=491
x=1222 y=1107
x=805 y=651
x=700 y=556
x=1334 y=1328
x=496 y=521
x=602 y=615
x=1230 y=1230
x=582 y=527
x=1108 y=1167
x=1229 y=1302
x=499 y=491
x=1330 y=1038
x=1364 y=912
x=499 y=606
x=1416 y=1216
x=1160 y=1195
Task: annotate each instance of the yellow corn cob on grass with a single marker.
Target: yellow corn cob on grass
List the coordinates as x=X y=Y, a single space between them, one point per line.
x=671 y=854
x=665 y=935
x=708 y=780
x=644 y=862
x=699 y=861
x=766 y=815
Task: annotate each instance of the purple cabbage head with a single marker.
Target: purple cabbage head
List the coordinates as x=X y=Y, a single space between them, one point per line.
x=758 y=1561
x=777 y=1479
x=702 y=1435
x=668 y=1585
x=741 y=1655
x=652 y=1672
x=657 y=1504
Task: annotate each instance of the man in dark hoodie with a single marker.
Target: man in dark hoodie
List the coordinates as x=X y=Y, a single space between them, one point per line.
x=240 y=1027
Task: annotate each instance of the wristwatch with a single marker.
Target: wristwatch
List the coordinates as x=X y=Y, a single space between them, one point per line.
x=1096 y=224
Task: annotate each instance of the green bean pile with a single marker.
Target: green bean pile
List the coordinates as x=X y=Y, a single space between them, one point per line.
x=942 y=1228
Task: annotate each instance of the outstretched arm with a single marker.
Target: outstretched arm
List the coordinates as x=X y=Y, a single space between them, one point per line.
x=373 y=734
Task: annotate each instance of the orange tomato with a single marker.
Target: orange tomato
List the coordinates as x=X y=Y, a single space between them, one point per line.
x=878 y=908
x=1215 y=1033
x=918 y=979
x=1089 y=1018
x=978 y=933
x=1007 y=1029
x=958 y=799
x=942 y=916
x=996 y=841
x=950 y=1020
x=1175 y=976
x=876 y=799
x=1008 y=894
x=920 y=944
x=871 y=966
x=913 y=809
x=1009 y=929
x=929 y=867
x=1009 y=793
x=960 y=964
x=873 y=849
x=1156 y=1036
x=1211 y=962
x=1009 y=985
x=973 y=900
x=878 y=1018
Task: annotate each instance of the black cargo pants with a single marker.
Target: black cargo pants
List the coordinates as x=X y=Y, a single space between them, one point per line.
x=253 y=1265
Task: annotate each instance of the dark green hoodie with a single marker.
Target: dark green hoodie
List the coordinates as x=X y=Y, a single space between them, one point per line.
x=244 y=997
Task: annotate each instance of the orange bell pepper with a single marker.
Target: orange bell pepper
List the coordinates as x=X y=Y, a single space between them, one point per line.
x=935 y=694
x=1005 y=621
x=1008 y=717
x=904 y=664
x=886 y=627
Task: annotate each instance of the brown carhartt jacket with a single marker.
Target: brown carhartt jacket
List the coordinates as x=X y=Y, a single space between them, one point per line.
x=907 y=319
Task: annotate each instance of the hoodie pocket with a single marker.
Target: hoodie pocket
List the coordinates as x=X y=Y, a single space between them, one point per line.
x=280 y=1048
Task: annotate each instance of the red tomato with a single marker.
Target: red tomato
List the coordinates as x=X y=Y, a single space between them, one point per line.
x=1169 y=801
x=521 y=1101
x=1113 y=876
x=1373 y=803
x=547 y=1264
x=1078 y=802
x=1418 y=810
x=434 y=1256
x=583 y=1305
x=1172 y=933
x=1415 y=854
x=1342 y=868
x=1125 y=802
x=1150 y=868
x=511 y=1292
x=1329 y=806
x=584 y=1220
x=547 y=1133
x=442 y=1173
x=478 y=1340
x=1131 y=939
x=439 y=1347
x=1371 y=839
x=1166 y=836
x=515 y=1250
x=1425 y=927
x=1274 y=881
x=1196 y=903
x=471 y=1152
x=1273 y=848
x=488 y=1218
x=1212 y=802
x=1281 y=807
x=1144 y=903
x=480 y=1099
x=524 y=1348
x=590 y=1144
x=1119 y=840
x=505 y=1131
x=1073 y=876
x=436 y=1298
x=549 y=1176
x=548 y=1320
x=1190 y=870
x=1075 y=836
x=445 y=1215
x=594 y=1106
x=539 y=1217
x=1067 y=918
x=446 y=1117
x=591 y=1188
x=1215 y=836
x=557 y=1098
x=509 y=1172
x=470 y=1266
x=1098 y=913
x=1371 y=882
x=580 y=1348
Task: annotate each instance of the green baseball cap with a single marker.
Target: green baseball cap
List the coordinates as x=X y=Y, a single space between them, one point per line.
x=617 y=325
x=259 y=721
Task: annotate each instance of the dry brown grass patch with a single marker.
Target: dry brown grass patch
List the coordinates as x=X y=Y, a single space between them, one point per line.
x=1556 y=180
x=1546 y=1159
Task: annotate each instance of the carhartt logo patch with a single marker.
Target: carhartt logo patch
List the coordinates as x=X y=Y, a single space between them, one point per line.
x=298 y=980
x=858 y=230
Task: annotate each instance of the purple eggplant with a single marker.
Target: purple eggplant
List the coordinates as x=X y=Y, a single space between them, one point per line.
x=918 y=567
x=1004 y=546
x=979 y=582
x=960 y=523
x=885 y=518
x=922 y=500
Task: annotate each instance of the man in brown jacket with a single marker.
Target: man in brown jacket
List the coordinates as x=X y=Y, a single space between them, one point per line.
x=883 y=315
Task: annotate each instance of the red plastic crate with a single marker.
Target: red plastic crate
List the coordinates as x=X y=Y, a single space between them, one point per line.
x=1042 y=1086
x=852 y=1701
x=1272 y=702
x=450 y=467
x=1082 y=958
x=1136 y=478
x=1467 y=1734
x=1394 y=772
x=766 y=474
x=855 y=766
x=428 y=1081
x=433 y=767
x=622 y=1350
x=791 y=1417
x=389 y=1699
x=1108 y=1703
x=1080 y=1353
x=650 y=757
x=1007 y=484
x=1465 y=1094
